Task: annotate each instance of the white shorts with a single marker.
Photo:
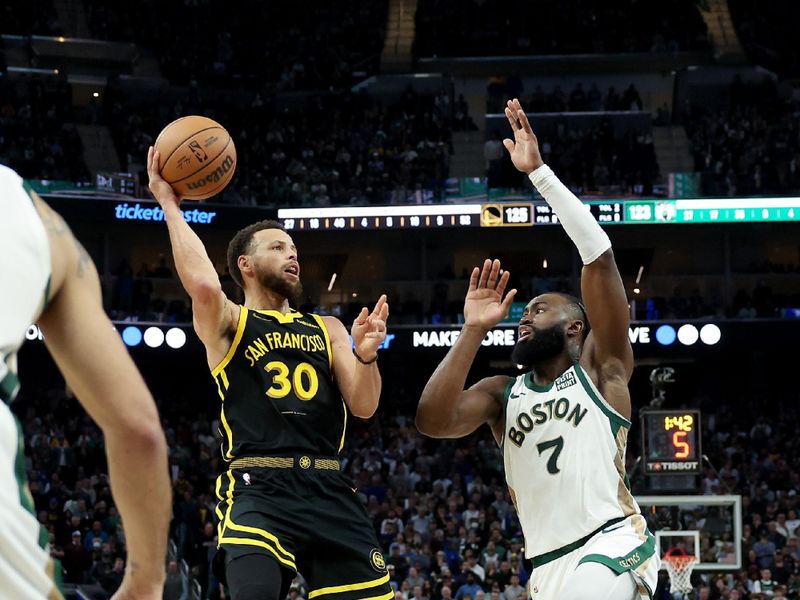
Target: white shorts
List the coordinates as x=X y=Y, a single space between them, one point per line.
x=26 y=569
x=626 y=547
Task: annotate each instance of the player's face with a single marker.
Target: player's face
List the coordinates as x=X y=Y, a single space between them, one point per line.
x=541 y=332
x=275 y=263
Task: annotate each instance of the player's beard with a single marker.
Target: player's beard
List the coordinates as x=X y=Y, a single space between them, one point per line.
x=541 y=345
x=293 y=292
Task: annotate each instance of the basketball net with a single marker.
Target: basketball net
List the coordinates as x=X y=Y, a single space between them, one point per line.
x=679 y=568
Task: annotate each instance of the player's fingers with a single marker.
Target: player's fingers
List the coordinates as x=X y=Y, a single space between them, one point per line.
x=150 y=160
x=523 y=119
x=362 y=317
x=379 y=304
x=493 y=274
x=509 y=145
x=376 y=335
x=512 y=120
x=508 y=300
x=487 y=266
x=384 y=314
x=502 y=283
x=473 y=279
x=377 y=324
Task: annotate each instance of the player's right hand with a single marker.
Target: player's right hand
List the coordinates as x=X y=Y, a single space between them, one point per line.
x=524 y=149
x=485 y=306
x=161 y=190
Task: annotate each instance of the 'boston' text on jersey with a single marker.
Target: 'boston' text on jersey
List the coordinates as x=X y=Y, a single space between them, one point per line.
x=542 y=412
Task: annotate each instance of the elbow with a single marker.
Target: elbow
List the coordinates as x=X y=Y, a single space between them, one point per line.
x=144 y=436
x=364 y=411
x=204 y=289
x=425 y=424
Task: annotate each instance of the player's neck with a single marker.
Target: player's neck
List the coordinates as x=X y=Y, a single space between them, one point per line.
x=548 y=371
x=266 y=299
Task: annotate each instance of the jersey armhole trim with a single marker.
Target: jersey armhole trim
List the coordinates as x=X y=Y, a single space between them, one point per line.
x=506 y=394
x=325 y=333
x=234 y=344
x=607 y=409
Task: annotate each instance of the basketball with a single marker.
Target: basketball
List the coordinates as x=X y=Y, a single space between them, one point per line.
x=197 y=157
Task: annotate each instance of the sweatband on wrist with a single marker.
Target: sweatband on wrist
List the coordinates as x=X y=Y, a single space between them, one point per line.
x=578 y=222
x=365 y=362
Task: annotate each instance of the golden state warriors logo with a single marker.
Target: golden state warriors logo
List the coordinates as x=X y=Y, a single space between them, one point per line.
x=305 y=462
x=376 y=560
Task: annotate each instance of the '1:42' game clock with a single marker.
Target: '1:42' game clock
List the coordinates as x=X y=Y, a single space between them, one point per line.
x=671 y=442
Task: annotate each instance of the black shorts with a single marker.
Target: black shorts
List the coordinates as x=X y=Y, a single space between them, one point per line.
x=305 y=514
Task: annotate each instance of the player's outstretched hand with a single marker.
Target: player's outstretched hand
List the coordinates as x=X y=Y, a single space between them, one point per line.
x=524 y=150
x=369 y=329
x=161 y=190
x=485 y=305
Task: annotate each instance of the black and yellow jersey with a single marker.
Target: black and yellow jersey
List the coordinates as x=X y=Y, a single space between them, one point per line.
x=277 y=388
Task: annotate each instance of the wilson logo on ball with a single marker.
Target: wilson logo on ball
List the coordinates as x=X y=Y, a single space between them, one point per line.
x=214 y=176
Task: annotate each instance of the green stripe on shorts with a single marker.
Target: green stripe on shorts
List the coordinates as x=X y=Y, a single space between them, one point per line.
x=25 y=498
x=628 y=562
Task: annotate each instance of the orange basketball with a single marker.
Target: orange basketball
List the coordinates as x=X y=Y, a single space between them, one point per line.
x=197 y=157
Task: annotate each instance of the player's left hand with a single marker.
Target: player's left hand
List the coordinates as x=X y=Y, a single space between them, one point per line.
x=369 y=329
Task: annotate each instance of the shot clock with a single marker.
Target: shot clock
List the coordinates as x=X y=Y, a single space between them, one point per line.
x=671 y=442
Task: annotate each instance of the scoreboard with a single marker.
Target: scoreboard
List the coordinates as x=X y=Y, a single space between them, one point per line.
x=671 y=442
x=534 y=213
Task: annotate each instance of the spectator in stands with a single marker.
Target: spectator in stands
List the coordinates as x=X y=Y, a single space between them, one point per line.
x=470 y=588
x=175 y=585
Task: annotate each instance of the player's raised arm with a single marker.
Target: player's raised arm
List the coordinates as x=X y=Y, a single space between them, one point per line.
x=96 y=365
x=446 y=409
x=608 y=347
x=213 y=314
x=355 y=367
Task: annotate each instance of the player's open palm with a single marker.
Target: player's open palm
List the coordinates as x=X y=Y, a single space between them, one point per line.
x=161 y=190
x=524 y=150
x=369 y=329
x=485 y=305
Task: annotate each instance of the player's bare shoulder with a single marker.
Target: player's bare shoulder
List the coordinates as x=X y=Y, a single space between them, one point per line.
x=68 y=257
x=610 y=376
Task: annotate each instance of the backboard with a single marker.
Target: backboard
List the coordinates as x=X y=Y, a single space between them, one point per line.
x=707 y=526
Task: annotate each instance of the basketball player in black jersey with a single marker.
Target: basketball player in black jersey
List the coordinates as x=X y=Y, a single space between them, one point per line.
x=287 y=381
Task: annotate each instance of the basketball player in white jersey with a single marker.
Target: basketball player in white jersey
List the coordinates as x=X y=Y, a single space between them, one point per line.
x=563 y=425
x=47 y=277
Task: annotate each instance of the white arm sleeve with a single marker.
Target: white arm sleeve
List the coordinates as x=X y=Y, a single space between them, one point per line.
x=578 y=222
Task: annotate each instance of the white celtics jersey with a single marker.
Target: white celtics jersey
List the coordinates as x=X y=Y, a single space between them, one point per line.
x=564 y=453
x=26 y=570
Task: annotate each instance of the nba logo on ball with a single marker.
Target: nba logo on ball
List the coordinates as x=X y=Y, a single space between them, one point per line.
x=199 y=153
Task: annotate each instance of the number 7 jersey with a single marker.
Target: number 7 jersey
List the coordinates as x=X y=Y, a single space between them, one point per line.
x=277 y=388
x=564 y=455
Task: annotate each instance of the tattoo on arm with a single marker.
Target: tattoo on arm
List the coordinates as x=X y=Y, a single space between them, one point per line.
x=54 y=223
x=84 y=260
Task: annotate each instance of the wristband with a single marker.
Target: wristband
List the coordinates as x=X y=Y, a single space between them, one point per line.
x=362 y=361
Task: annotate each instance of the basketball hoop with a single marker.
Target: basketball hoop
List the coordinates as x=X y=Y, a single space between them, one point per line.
x=679 y=567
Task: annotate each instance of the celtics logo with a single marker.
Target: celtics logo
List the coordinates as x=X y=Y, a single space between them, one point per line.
x=376 y=560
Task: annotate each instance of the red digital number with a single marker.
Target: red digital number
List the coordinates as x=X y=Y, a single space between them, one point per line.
x=681 y=446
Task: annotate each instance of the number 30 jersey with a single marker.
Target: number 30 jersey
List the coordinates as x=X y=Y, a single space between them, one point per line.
x=277 y=388
x=564 y=455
